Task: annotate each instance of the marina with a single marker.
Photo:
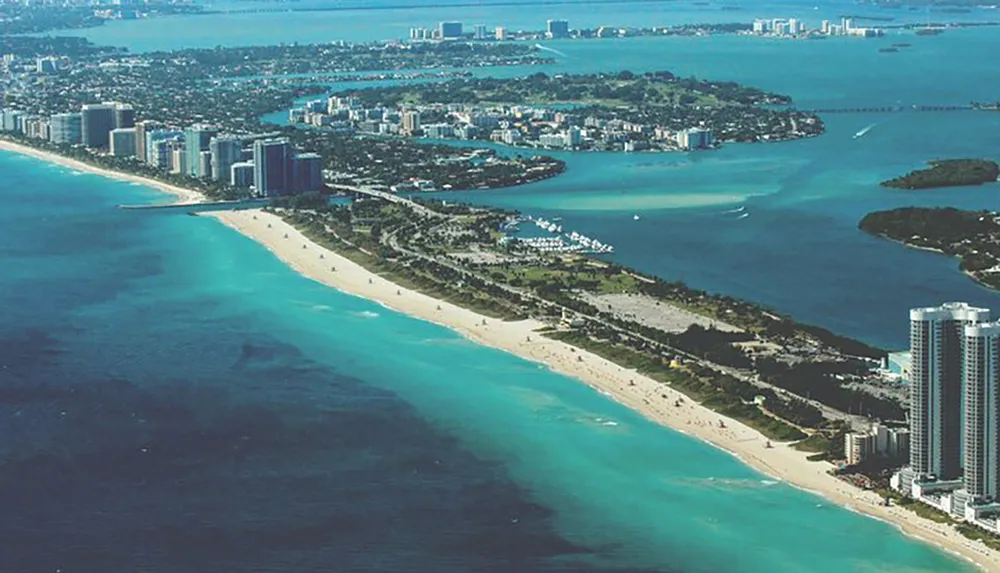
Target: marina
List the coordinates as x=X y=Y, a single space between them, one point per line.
x=554 y=239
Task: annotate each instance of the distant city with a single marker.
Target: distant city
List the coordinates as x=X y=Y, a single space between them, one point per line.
x=267 y=166
x=560 y=29
x=510 y=125
x=793 y=28
x=954 y=437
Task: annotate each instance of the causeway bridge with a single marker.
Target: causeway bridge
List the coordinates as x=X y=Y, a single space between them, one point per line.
x=894 y=109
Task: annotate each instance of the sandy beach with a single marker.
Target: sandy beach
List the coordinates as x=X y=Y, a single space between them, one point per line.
x=652 y=399
x=181 y=195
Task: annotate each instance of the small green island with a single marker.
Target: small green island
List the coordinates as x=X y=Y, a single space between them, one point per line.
x=972 y=236
x=948 y=173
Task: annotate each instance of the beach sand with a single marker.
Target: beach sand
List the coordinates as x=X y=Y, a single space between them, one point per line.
x=181 y=195
x=645 y=395
x=652 y=399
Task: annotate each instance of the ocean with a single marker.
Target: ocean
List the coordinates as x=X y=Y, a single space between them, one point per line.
x=173 y=398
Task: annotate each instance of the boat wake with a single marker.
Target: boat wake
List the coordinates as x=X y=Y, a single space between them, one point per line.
x=863 y=132
x=743 y=216
x=739 y=209
x=553 y=50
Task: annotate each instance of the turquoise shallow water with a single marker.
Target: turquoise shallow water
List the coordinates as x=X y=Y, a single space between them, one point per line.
x=163 y=370
x=170 y=385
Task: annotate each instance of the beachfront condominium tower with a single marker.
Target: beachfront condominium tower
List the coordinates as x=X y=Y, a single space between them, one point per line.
x=196 y=140
x=937 y=337
x=124 y=116
x=142 y=129
x=271 y=162
x=65 y=128
x=981 y=412
x=96 y=122
x=226 y=150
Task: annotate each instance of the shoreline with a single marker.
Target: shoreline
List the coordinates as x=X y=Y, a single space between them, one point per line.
x=644 y=395
x=181 y=195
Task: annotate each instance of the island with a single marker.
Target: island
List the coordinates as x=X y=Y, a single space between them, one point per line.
x=655 y=111
x=972 y=236
x=948 y=173
x=30 y=17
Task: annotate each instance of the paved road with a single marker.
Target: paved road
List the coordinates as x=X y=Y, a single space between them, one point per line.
x=858 y=423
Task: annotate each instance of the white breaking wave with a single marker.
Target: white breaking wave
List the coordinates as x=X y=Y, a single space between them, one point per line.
x=367 y=314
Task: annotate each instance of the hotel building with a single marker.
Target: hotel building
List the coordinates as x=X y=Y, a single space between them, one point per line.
x=954 y=413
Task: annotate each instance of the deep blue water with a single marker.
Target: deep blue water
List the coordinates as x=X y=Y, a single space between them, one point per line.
x=151 y=422
x=173 y=398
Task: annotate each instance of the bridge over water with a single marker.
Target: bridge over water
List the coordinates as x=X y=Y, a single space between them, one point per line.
x=894 y=109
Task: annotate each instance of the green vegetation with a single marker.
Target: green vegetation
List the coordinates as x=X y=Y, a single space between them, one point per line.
x=718 y=392
x=622 y=89
x=974 y=533
x=28 y=18
x=923 y=510
x=948 y=173
x=455 y=253
x=183 y=88
x=648 y=101
x=567 y=274
x=332 y=227
x=284 y=59
x=972 y=236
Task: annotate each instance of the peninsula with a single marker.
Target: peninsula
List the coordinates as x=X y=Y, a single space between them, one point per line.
x=948 y=173
x=333 y=245
x=759 y=384
x=972 y=236
x=177 y=100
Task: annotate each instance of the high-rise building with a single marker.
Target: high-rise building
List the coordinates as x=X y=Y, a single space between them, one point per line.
x=981 y=412
x=12 y=119
x=65 y=128
x=501 y=33
x=124 y=115
x=155 y=156
x=936 y=341
x=97 y=121
x=557 y=28
x=450 y=30
x=123 y=142
x=196 y=140
x=271 y=159
x=694 y=138
x=225 y=150
x=411 y=122
x=159 y=150
x=241 y=174
x=178 y=159
x=480 y=32
x=141 y=129
x=205 y=164
x=306 y=173
x=47 y=65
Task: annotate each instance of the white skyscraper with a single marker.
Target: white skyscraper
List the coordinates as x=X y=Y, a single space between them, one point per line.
x=936 y=345
x=981 y=412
